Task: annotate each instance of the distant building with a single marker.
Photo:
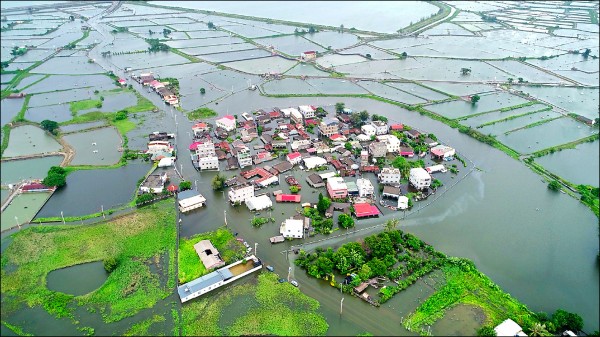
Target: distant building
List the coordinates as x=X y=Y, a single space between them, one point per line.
x=292 y=228
x=368 y=130
x=336 y=187
x=312 y=162
x=307 y=111
x=208 y=163
x=364 y=210
x=208 y=254
x=364 y=158
x=296 y=117
x=244 y=158
x=509 y=328
x=381 y=128
x=308 y=55
x=300 y=144
x=413 y=134
x=392 y=143
x=365 y=188
x=190 y=200
x=240 y=193
x=227 y=123
x=442 y=152
x=259 y=203
x=315 y=180
x=200 y=128
x=154 y=183
x=419 y=178
x=159 y=146
x=389 y=175
x=294 y=158
x=329 y=127
x=378 y=149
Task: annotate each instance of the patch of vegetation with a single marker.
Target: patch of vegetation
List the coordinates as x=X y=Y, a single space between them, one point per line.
x=84 y=105
x=201 y=113
x=190 y=265
x=280 y=309
x=50 y=126
x=218 y=182
x=259 y=221
x=57 y=176
x=156 y=45
x=141 y=328
x=135 y=239
x=554 y=185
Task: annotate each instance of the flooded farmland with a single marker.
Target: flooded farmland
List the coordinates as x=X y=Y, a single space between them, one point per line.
x=529 y=64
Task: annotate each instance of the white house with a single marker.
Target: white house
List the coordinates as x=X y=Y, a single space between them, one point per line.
x=159 y=146
x=154 y=183
x=294 y=158
x=442 y=152
x=288 y=112
x=402 y=202
x=378 y=149
x=509 y=328
x=391 y=142
x=389 y=175
x=300 y=144
x=190 y=200
x=208 y=163
x=307 y=111
x=308 y=55
x=368 y=130
x=240 y=193
x=312 y=162
x=227 y=123
x=292 y=228
x=259 y=203
x=205 y=149
x=419 y=178
x=381 y=128
x=365 y=188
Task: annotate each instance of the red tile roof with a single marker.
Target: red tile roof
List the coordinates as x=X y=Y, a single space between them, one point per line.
x=364 y=209
x=397 y=127
x=293 y=155
x=288 y=198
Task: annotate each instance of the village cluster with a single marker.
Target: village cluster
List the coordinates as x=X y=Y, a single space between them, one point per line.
x=306 y=138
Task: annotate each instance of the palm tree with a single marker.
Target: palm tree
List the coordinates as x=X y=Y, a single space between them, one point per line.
x=391 y=224
x=539 y=329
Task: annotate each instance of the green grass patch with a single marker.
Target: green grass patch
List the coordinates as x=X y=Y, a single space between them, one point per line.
x=16 y=329
x=201 y=113
x=466 y=285
x=143 y=104
x=134 y=239
x=85 y=104
x=190 y=265
x=279 y=309
x=141 y=328
x=124 y=125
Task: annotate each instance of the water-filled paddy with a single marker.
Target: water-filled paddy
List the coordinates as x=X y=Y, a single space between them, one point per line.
x=27 y=81
x=148 y=60
x=87 y=190
x=289 y=86
x=334 y=60
x=64 y=82
x=418 y=90
x=52 y=98
x=363 y=50
x=24 y=207
x=263 y=65
x=388 y=92
x=290 y=45
x=251 y=31
x=303 y=69
x=583 y=101
x=203 y=41
x=115 y=102
x=28 y=139
x=14 y=171
x=77 y=280
x=460 y=108
x=235 y=55
x=556 y=132
x=528 y=73
x=497 y=115
x=58 y=113
x=458 y=89
x=218 y=49
x=499 y=128
x=72 y=65
x=335 y=40
x=9 y=109
x=80 y=126
x=95 y=147
x=335 y=86
x=579 y=165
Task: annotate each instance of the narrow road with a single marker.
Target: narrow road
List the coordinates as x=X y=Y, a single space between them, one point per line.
x=452 y=11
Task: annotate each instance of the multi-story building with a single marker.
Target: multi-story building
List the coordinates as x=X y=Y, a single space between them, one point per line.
x=336 y=187
x=329 y=126
x=227 y=123
x=301 y=144
x=307 y=111
x=368 y=130
x=364 y=158
x=240 y=193
x=365 y=188
x=159 y=146
x=378 y=149
x=391 y=142
x=205 y=149
x=389 y=175
x=419 y=178
x=297 y=117
x=208 y=163
x=381 y=128
x=244 y=158
x=294 y=158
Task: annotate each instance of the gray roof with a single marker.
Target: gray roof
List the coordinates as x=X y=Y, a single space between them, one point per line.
x=351 y=185
x=391 y=190
x=187 y=194
x=204 y=282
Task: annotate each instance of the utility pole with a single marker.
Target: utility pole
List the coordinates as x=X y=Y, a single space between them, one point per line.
x=63 y=217
x=102 y=208
x=17 y=220
x=196 y=184
x=289 y=272
x=225 y=215
x=341 y=305
x=255 y=247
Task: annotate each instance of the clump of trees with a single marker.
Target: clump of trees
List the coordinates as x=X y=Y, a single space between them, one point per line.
x=339 y=107
x=465 y=71
x=185 y=185
x=345 y=221
x=50 y=126
x=144 y=198
x=323 y=203
x=156 y=45
x=57 y=176
x=110 y=264
x=294 y=189
x=218 y=182
x=554 y=185
x=475 y=98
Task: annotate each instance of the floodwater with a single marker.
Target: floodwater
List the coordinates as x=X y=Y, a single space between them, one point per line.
x=28 y=139
x=14 y=171
x=9 y=109
x=489 y=102
x=58 y=113
x=579 y=165
x=88 y=190
x=95 y=147
x=22 y=209
x=461 y=320
x=79 y=279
